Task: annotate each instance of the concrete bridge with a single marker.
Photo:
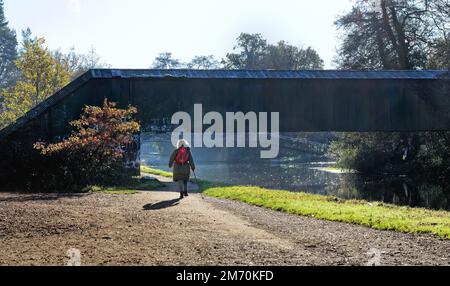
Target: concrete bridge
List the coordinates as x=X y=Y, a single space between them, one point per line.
x=309 y=101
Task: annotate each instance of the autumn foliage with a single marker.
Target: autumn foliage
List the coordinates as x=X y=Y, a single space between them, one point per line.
x=94 y=153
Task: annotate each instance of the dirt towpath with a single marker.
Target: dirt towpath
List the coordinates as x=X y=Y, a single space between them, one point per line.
x=156 y=228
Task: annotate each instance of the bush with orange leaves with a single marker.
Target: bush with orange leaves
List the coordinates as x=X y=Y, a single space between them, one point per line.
x=94 y=153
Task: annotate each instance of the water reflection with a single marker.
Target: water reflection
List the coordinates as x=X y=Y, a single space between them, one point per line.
x=393 y=189
x=297 y=171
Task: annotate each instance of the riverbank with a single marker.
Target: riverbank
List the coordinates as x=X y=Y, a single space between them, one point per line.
x=157 y=172
x=154 y=227
x=375 y=215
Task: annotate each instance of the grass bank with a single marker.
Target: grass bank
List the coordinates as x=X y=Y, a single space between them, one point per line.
x=374 y=215
x=152 y=171
x=130 y=188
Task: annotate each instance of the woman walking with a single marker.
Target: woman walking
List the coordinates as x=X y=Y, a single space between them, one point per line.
x=182 y=162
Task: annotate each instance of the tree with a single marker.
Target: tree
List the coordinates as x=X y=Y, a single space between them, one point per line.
x=8 y=51
x=40 y=76
x=256 y=53
x=252 y=51
x=393 y=34
x=94 y=153
x=440 y=14
x=77 y=64
x=440 y=57
x=203 y=62
x=92 y=60
x=166 y=61
x=284 y=56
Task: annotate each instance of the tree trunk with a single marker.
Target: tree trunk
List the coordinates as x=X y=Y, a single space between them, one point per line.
x=403 y=49
x=381 y=44
x=400 y=45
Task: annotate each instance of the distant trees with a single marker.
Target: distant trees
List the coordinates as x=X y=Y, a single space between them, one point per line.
x=253 y=52
x=77 y=64
x=288 y=57
x=204 y=63
x=166 y=61
x=8 y=51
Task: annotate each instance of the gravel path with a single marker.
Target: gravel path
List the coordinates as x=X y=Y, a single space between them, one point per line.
x=155 y=228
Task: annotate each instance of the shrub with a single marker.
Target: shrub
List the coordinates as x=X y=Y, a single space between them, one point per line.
x=94 y=153
x=424 y=153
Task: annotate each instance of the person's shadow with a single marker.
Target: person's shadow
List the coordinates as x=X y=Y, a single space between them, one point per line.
x=162 y=205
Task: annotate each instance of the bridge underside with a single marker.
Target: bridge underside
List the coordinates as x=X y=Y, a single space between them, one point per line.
x=315 y=101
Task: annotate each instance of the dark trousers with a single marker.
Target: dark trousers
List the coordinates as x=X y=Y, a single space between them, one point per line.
x=183 y=185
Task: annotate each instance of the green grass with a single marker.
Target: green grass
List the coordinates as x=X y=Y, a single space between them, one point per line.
x=206 y=185
x=374 y=215
x=111 y=190
x=151 y=171
x=130 y=188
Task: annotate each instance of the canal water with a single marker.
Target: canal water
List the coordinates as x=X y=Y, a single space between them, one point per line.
x=298 y=172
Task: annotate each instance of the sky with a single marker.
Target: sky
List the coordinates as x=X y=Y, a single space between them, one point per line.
x=130 y=34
